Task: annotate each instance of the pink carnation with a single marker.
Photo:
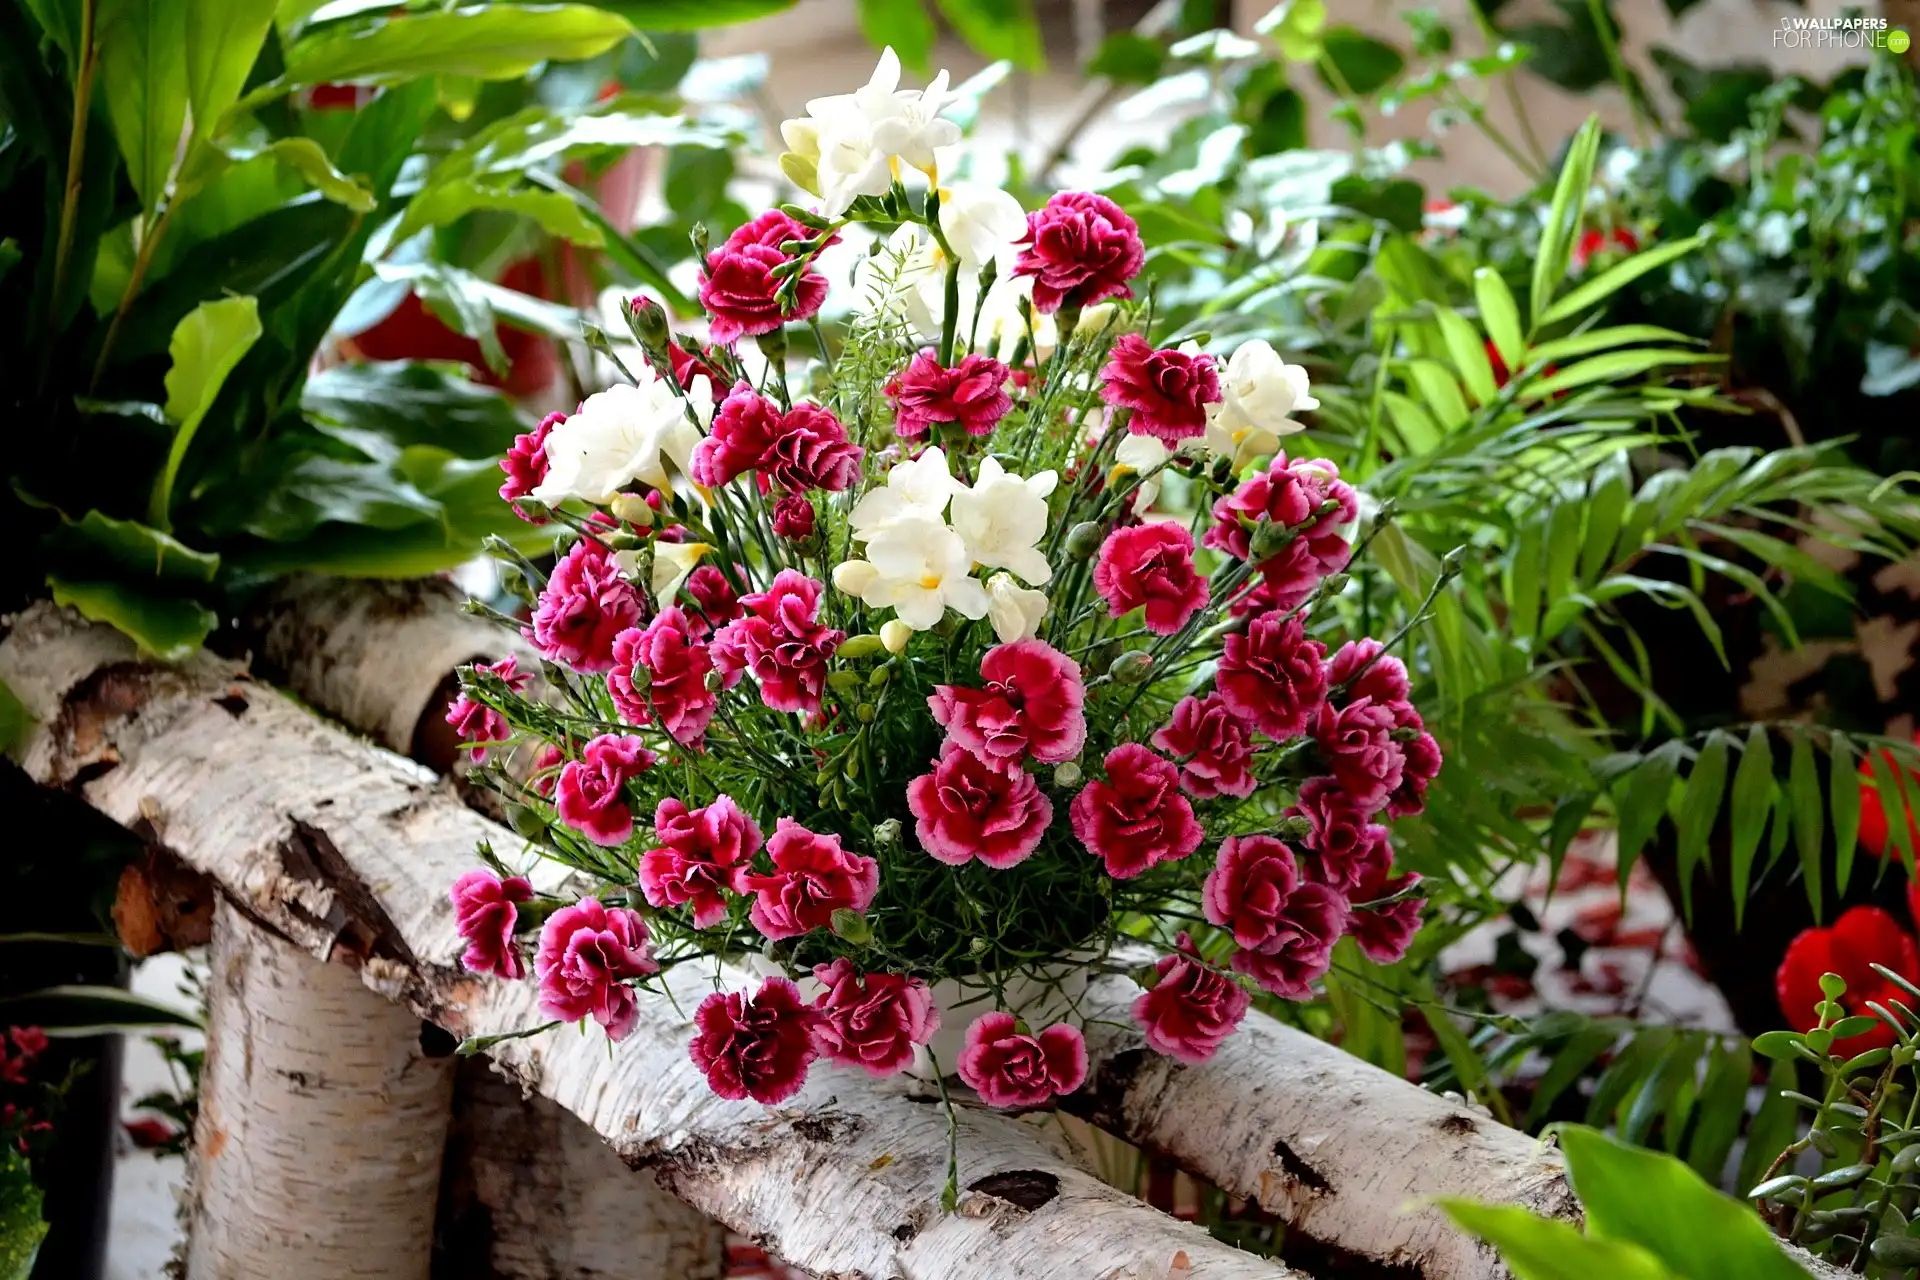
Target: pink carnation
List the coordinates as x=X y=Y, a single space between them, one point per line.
x=675 y=687
x=1010 y=1069
x=793 y=517
x=586 y=953
x=1080 y=249
x=1150 y=566
x=1168 y=391
x=1137 y=818
x=1284 y=926
x=476 y=721
x=1032 y=706
x=1191 y=1009
x=586 y=604
x=1289 y=495
x=739 y=289
x=546 y=768
x=714 y=598
x=781 y=641
x=592 y=793
x=757 y=1046
x=1362 y=669
x=813 y=877
x=484 y=912
x=966 y=809
x=1272 y=676
x=1215 y=749
x=1339 y=831
x=703 y=855
x=1422 y=767
x=871 y=1021
x=801 y=448
x=526 y=464
x=972 y=394
x=1287 y=580
x=1357 y=743
x=1384 y=933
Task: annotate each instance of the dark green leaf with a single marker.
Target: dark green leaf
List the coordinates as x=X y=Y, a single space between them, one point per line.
x=222 y=41
x=1616 y=278
x=1752 y=792
x=1809 y=825
x=143 y=77
x=1501 y=316
x=1843 y=796
x=1699 y=806
x=998 y=29
x=1569 y=816
x=1583 y=1047
x=488 y=42
x=88 y=1008
x=1360 y=64
x=692 y=15
x=1777 y=1044
x=169 y=627
x=206 y=345
x=447 y=202
x=902 y=25
x=1124 y=57
x=1537 y=1248
x=127 y=548
x=16 y=722
x=1628 y=1068
x=1774 y=1125
x=1723 y=1103
x=1651 y=1100
x=412 y=404
x=21 y=1229
x=1564 y=216
x=1642 y=803
x=1399 y=202
x=1660 y=1204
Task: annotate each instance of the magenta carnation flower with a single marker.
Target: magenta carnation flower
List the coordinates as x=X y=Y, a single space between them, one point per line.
x=871 y=1021
x=1340 y=832
x=591 y=796
x=1363 y=669
x=1191 y=1009
x=1284 y=926
x=526 y=464
x=1010 y=1069
x=585 y=605
x=1383 y=934
x=966 y=809
x=1357 y=743
x=484 y=912
x=781 y=641
x=739 y=288
x=1080 y=249
x=813 y=877
x=1137 y=818
x=715 y=603
x=476 y=721
x=1272 y=676
x=801 y=448
x=704 y=854
x=1213 y=747
x=1150 y=567
x=1032 y=706
x=1290 y=495
x=587 y=951
x=675 y=664
x=793 y=517
x=1168 y=391
x=972 y=394
x=757 y=1046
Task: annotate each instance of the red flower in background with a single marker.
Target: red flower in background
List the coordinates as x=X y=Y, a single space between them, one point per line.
x=1860 y=938
x=1597 y=242
x=1876 y=833
x=411 y=332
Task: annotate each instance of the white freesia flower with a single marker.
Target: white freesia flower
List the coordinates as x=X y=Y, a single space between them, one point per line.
x=980 y=223
x=916 y=566
x=848 y=143
x=1142 y=456
x=917 y=488
x=1259 y=394
x=1014 y=611
x=620 y=435
x=1002 y=516
x=673 y=563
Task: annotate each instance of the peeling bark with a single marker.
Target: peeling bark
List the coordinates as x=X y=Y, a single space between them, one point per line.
x=304 y=1066
x=1345 y=1154
x=844 y=1182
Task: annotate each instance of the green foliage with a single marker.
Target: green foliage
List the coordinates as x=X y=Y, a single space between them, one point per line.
x=165 y=300
x=21 y=1229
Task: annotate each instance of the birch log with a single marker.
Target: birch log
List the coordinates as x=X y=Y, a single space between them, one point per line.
x=347 y=851
x=540 y=1195
x=1345 y=1154
x=304 y=1066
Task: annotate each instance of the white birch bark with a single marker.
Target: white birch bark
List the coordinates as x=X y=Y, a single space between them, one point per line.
x=348 y=850
x=318 y=1146
x=1344 y=1153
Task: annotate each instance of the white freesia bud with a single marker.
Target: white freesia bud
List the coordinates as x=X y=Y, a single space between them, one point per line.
x=1142 y=456
x=896 y=635
x=1259 y=394
x=919 y=568
x=621 y=435
x=1014 y=611
x=980 y=223
x=919 y=487
x=631 y=508
x=853 y=577
x=1002 y=517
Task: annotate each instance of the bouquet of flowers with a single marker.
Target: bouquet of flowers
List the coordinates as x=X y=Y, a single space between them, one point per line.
x=887 y=675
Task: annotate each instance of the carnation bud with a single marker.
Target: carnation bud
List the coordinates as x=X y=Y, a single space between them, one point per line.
x=623 y=540
x=701 y=245
x=1270 y=539
x=862 y=646
x=1100 y=659
x=648 y=322
x=1068 y=774
x=887 y=832
x=533 y=508
x=844 y=681
x=1334 y=583
x=1085 y=538
x=1131 y=668
x=978 y=946
x=632 y=509
x=1222 y=469
x=881 y=674
x=896 y=635
x=805 y=217
x=850 y=925
x=640 y=675
x=714 y=681
x=526 y=822
x=864 y=713
x=773 y=345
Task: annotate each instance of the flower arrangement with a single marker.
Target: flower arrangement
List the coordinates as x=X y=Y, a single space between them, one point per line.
x=898 y=682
